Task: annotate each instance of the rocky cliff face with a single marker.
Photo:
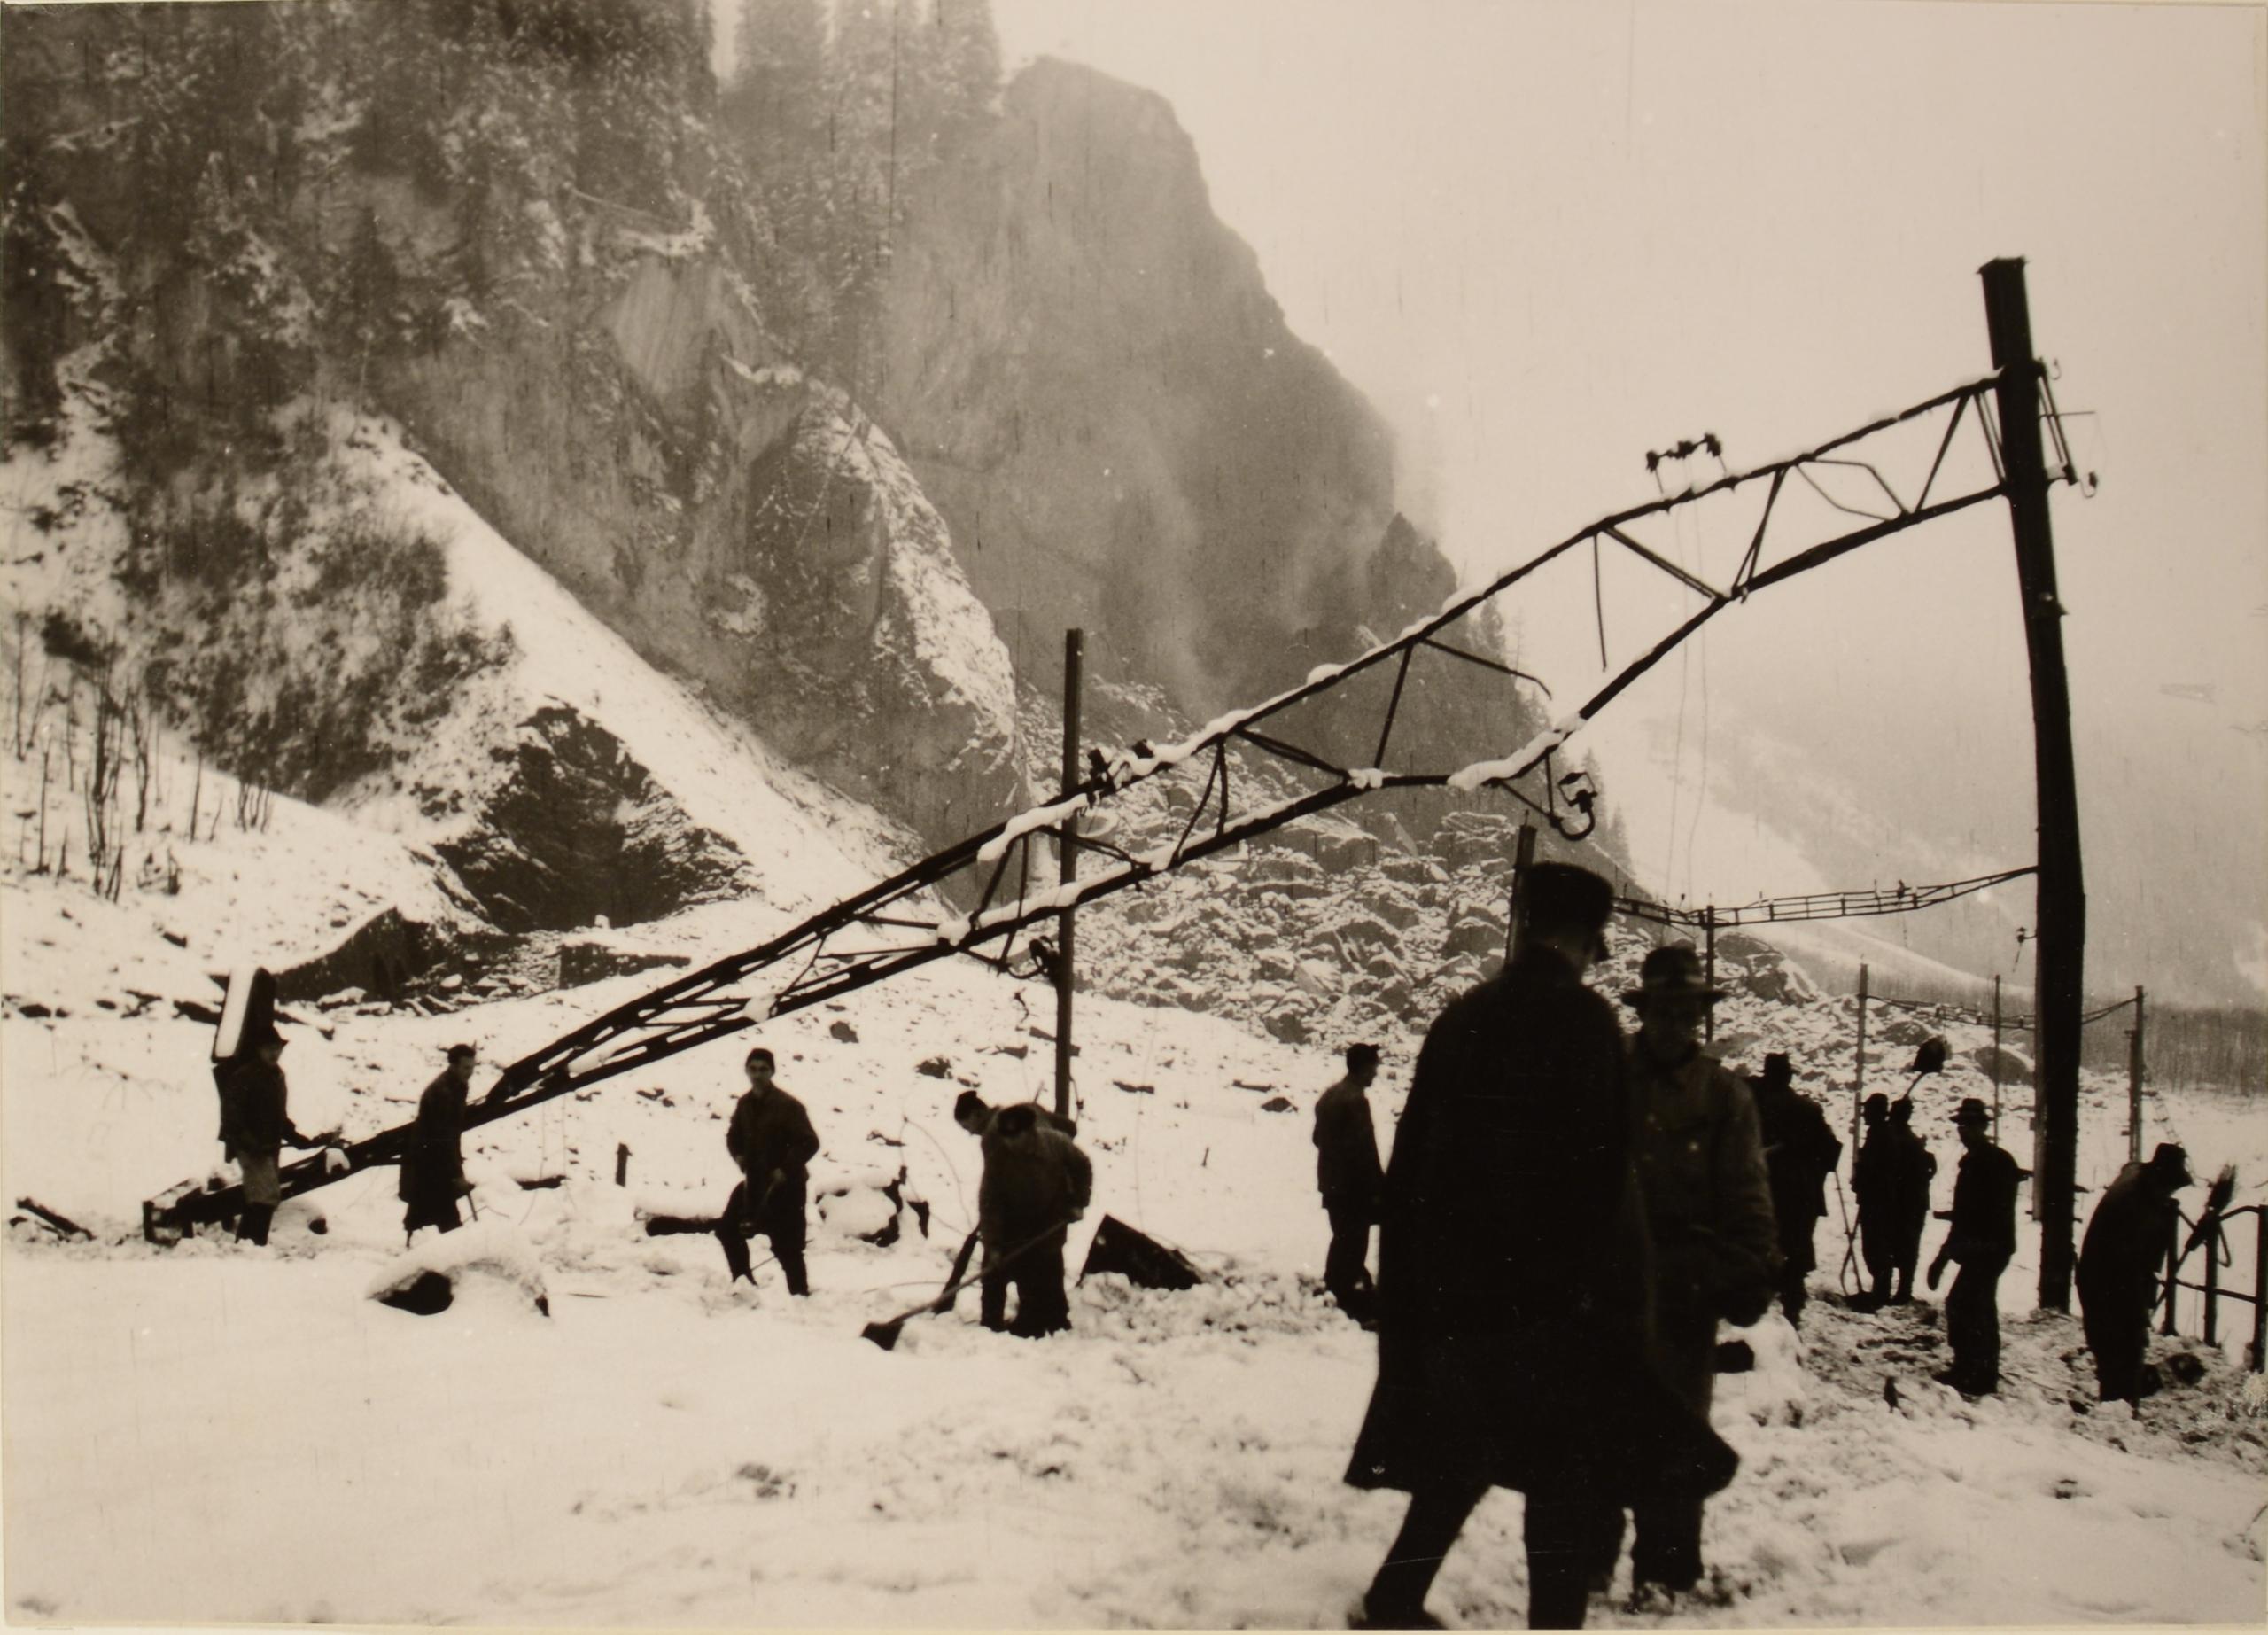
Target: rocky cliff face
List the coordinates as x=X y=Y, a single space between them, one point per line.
x=1086 y=371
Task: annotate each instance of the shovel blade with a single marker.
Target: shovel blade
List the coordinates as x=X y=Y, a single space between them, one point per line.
x=884 y=1334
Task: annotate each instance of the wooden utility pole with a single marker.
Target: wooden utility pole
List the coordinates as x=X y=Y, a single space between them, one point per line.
x=1516 y=911
x=1996 y=1059
x=1709 y=970
x=2134 y=1084
x=2060 y=932
x=1858 y=1068
x=1068 y=871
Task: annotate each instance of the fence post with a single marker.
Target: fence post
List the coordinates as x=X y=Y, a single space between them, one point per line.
x=2212 y=1248
x=2135 y=1085
x=2172 y=1263
x=1858 y=1068
x=2258 y=1360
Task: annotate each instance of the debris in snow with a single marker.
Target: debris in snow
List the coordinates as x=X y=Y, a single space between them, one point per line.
x=441 y=1265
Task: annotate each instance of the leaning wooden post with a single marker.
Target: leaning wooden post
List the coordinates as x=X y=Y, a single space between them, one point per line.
x=2134 y=1084
x=1858 y=1068
x=2061 y=931
x=1068 y=856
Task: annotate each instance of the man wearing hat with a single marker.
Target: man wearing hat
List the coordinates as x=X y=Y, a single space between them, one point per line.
x=1982 y=1239
x=2119 y=1262
x=1801 y=1152
x=432 y=1165
x=1514 y=1304
x=255 y=1122
x=1708 y=1197
x=1346 y=1174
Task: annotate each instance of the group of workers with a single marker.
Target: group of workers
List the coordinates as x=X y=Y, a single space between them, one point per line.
x=1567 y=1217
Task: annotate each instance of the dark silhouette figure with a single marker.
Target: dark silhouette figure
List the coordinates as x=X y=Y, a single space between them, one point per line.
x=1982 y=1239
x=1514 y=1298
x=1036 y=1182
x=1800 y=1152
x=771 y=1140
x=1915 y=1167
x=255 y=1123
x=1348 y=1175
x=432 y=1165
x=1870 y=1186
x=1708 y=1197
x=2119 y=1264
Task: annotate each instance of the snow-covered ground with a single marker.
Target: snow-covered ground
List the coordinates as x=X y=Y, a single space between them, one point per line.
x=213 y=1432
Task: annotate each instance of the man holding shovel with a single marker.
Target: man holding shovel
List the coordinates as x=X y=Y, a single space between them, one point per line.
x=1036 y=1182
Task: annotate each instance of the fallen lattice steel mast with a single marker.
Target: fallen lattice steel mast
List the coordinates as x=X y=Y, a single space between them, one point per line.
x=900 y=924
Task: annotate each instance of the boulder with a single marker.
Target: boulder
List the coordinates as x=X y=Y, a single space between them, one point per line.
x=1481 y=935
x=2013 y=1069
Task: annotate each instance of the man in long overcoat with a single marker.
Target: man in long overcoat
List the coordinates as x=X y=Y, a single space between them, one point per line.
x=1801 y=1152
x=771 y=1140
x=432 y=1165
x=1514 y=1309
x=1983 y=1239
x=1708 y=1196
x=2119 y=1262
x=1036 y=1182
x=1348 y=1175
x=255 y=1123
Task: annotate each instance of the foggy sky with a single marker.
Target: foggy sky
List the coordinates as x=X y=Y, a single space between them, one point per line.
x=1545 y=239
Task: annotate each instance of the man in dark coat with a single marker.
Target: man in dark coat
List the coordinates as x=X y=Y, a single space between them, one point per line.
x=1036 y=1182
x=973 y=1113
x=1515 y=1297
x=1708 y=1197
x=1913 y=1168
x=1346 y=1174
x=1872 y=1183
x=771 y=1140
x=255 y=1123
x=1982 y=1239
x=432 y=1165
x=2120 y=1262
x=1801 y=1152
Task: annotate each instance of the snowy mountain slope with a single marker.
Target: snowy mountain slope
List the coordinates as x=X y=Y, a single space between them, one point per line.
x=802 y=848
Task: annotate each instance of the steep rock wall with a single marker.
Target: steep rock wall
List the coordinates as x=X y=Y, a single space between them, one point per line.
x=1087 y=373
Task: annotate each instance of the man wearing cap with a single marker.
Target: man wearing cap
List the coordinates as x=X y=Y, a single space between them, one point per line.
x=1982 y=1239
x=1708 y=1196
x=1801 y=1152
x=1514 y=1298
x=2119 y=1263
x=1346 y=1174
x=255 y=1123
x=432 y=1164
x=771 y=1138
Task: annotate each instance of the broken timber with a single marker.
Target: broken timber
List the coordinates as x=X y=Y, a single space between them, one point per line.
x=906 y=920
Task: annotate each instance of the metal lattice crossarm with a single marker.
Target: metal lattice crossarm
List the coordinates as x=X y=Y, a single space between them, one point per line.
x=908 y=920
x=1901 y=898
